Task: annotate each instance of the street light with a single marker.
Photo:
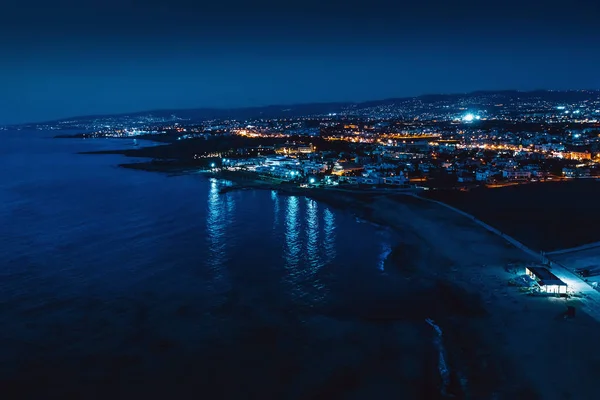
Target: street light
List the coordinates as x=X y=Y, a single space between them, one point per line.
x=311 y=181
x=212 y=165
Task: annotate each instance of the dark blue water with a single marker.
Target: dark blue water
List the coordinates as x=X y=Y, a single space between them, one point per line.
x=124 y=281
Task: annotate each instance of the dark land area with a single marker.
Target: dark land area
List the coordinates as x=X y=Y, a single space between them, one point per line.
x=184 y=151
x=545 y=216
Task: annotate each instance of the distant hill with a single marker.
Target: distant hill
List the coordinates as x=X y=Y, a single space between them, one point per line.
x=294 y=110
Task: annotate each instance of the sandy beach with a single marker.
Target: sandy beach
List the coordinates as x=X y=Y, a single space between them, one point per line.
x=523 y=347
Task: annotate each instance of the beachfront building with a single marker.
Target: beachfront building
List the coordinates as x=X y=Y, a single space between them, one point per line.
x=399 y=180
x=241 y=162
x=516 y=174
x=289 y=149
x=482 y=175
x=546 y=280
x=313 y=167
x=464 y=176
x=576 y=172
x=342 y=168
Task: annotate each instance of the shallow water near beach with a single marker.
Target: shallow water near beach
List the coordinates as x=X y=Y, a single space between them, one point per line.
x=136 y=282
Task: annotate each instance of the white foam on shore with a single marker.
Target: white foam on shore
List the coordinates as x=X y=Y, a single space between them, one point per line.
x=442 y=365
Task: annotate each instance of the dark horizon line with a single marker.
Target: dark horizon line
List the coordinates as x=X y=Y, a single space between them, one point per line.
x=338 y=103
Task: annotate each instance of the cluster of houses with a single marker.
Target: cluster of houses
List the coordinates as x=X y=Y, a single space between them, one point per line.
x=318 y=171
x=397 y=162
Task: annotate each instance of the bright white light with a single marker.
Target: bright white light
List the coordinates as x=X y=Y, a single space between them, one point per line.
x=560 y=107
x=311 y=180
x=212 y=165
x=478 y=117
x=468 y=118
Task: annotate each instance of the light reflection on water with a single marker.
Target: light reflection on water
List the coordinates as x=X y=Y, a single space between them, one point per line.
x=312 y=234
x=152 y=288
x=292 y=234
x=307 y=248
x=275 y=198
x=329 y=235
x=315 y=260
x=219 y=216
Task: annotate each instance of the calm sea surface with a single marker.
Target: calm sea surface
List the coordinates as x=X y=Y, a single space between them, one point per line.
x=123 y=281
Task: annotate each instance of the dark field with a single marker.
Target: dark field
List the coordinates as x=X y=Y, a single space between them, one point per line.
x=544 y=216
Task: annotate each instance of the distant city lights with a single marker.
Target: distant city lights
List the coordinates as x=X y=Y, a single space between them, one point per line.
x=471 y=117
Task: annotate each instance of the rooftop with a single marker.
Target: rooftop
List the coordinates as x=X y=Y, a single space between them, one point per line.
x=545 y=276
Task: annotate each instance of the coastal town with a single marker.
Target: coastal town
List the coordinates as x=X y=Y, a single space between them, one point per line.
x=493 y=194
x=435 y=146
x=486 y=139
x=300 y=200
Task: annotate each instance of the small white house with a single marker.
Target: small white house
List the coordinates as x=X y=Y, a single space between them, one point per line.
x=395 y=180
x=546 y=280
x=516 y=174
x=482 y=175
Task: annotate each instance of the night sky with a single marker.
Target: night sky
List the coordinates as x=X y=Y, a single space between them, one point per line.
x=65 y=58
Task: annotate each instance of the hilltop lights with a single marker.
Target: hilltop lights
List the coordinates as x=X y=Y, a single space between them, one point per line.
x=468 y=118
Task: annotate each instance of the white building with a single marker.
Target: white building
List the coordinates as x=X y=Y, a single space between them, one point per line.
x=482 y=175
x=576 y=172
x=546 y=280
x=395 y=180
x=516 y=174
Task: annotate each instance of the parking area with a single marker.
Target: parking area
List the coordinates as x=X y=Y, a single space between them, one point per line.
x=584 y=263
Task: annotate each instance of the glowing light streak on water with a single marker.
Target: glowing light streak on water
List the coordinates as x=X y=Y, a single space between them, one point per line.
x=329 y=235
x=312 y=235
x=217 y=218
x=276 y=209
x=292 y=234
x=314 y=251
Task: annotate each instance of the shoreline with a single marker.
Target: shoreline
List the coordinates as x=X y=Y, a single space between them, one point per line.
x=525 y=212
x=474 y=265
x=471 y=268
